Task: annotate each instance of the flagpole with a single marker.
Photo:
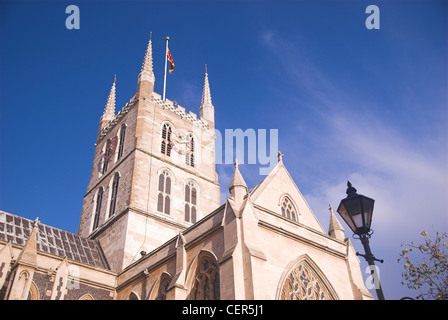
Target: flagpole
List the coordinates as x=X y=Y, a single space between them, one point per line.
x=166 y=58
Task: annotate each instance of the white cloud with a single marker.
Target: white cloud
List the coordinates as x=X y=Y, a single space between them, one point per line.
x=408 y=178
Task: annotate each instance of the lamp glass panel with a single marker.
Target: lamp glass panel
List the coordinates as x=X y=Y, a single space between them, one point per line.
x=368 y=210
x=345 y=216
x=353 y=207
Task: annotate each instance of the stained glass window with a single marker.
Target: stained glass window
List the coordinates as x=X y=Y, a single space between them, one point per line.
x=207 y=284
x=302 y=283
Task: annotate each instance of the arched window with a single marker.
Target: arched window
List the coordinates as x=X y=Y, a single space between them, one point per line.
x=99 y=200
x=164 y=196
x=122 y=136
x=132 y=296
x=113 y=197
x=166 y=139
x=207 y=281
x=163 y=288
x=304 y=283
x=288 y=209
x=33 y=293
x=189 y=155
x=190 y=202
x=106 y=156
x=109 y=152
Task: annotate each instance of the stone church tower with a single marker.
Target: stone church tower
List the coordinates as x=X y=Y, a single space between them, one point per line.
x=152 y=225
x=153 y=161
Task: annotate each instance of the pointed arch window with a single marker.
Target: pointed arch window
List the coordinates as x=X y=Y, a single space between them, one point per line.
x=164 y=192
x=133 y=296
x=166 y=139
x=109 y=151
x=207 y=283
x=190 y=202
x=288 y=209
x=99 y=200
x=33 y=293
x=304 y=283
x=122 y=136
x=105 y=157
x=189 y=155
x=113 y=197
x=163 y=288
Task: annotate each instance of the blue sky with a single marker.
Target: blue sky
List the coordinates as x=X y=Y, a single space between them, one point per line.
x=369 y=106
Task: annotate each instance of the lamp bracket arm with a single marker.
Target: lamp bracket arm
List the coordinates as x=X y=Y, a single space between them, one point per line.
x=369 y=257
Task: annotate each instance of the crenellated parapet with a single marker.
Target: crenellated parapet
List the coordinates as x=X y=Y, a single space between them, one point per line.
x=157 y=99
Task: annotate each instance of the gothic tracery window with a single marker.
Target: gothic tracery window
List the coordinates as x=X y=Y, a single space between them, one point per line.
x=190 y=202
x=302 y=283
x=207 y=283
x=164 y=192
x=288 y=209
x=166 y=139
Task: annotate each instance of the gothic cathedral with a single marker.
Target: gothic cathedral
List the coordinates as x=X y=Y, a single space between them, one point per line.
x=153 y=227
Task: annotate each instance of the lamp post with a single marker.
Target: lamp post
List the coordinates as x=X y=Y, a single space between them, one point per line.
x=356 y=210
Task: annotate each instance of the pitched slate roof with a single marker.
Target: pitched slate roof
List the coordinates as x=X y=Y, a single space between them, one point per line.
x=51 y=240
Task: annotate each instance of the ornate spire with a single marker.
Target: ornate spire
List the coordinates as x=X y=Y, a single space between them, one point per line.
x=147 y=72
x=109 y=110
x=206 y=109
x=335 y=228
x=237 y=179
x=237 y=187
x=206 y=96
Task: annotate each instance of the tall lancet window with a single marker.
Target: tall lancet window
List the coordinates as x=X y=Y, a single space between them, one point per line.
x=109 y=151
x=288 y=209
x=106 y=156
x=122 y=136
x=164 y=196
x=166 y=139
x=99 y=200
x=189 y=155
x=190 y=202
x=113 y=197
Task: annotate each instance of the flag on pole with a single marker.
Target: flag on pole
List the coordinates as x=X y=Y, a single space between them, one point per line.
x=170 y=58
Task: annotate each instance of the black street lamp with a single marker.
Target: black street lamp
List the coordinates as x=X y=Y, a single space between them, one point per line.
x=356 y=210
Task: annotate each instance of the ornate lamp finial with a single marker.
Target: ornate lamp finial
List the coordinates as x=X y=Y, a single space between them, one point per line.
x=351 y=191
